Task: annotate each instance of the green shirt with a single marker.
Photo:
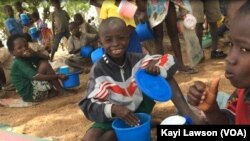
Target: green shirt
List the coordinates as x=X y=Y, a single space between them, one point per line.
x=22 y=73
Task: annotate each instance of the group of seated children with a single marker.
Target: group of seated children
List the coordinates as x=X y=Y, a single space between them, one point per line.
x=112 y=91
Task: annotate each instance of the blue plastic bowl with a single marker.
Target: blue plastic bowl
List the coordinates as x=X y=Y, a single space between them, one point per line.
x=64 y=70
x=24 y=16
x=86 y=51
x=125 y=132
x=72 y=81
x=144 y=31
x=33 y=30
x=97 y=54
x=33 y=33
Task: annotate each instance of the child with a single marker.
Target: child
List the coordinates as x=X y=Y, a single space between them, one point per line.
x=13 y=26
x=237 y=71
x=31 y=73
x=45 y=33
x=110 y=9
x=157 y=13
x=20 y=10
x=60 y=21
x=75 y=42
x=35 y=46
x=212 y=11
x=112 y=91
x=85 y=27
x=5 y=66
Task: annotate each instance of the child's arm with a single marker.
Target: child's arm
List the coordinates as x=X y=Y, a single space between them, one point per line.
x=91 y=38
x=96 y=106
x=141 y=12
x=31 y=53
x=165 y=65
x=204 y=97
x=181 y=103
x=91 y=107
x=47 y=77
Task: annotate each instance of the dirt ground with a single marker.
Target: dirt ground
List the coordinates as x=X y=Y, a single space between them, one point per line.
x=60 y=118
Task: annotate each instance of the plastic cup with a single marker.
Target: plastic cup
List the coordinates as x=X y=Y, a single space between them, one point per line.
x=24 y=19
x=72 y=81
x=144 y=31
x=24 y=16
x=86 y=51
x=125 y=132
x=64 y=70
x=34 y=33
x=177 y=120
x=127 y=9
x=97 y=55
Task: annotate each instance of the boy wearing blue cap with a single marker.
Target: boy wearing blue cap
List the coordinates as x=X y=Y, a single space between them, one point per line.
x=112 y=91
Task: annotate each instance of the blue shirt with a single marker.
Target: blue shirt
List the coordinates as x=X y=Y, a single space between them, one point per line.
x=13 y=26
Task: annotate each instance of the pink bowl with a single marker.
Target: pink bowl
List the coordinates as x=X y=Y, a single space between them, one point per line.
x=127 y=9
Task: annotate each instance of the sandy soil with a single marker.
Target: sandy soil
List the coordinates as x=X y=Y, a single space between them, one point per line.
x=61 y=119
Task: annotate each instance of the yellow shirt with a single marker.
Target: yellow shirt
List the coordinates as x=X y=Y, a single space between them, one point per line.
x=109 y=9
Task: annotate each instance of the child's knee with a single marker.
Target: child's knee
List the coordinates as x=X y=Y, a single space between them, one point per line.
x=93 y=134
x=44 y=66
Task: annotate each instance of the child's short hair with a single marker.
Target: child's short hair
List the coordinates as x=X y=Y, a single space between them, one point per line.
x=110 y=20
x=55 y=1
x=78 y=16
x=7 y=7
x=72 y=24
x=18 y=4
x=35 y=15
x=11 y=39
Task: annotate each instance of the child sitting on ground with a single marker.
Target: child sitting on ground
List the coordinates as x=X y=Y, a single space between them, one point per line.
x=77 y=40
x=237 y=71
x=31 y=73
x=112 y=90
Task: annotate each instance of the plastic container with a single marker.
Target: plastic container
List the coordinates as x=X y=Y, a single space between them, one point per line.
x=24 y=19
x=127 y=9
x=177 y=120
x=139 y=133
x=34 y=33
x=161 y=90
x=190 y=22
x=64 y=70
x=97 y=54
x=144 y=31
x=72 y=81
x=86 y=51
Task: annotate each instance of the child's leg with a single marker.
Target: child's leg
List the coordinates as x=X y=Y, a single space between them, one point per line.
x=55 y=44
x=96 y=134
x=158 y=31
x=45 y=68
x=78 y=65
x=2 y=78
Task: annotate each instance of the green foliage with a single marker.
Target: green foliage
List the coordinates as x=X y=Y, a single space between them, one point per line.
x=76 y=6
x=71 y=6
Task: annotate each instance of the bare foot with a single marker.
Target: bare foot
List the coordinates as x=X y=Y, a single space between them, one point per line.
x=188 y=70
